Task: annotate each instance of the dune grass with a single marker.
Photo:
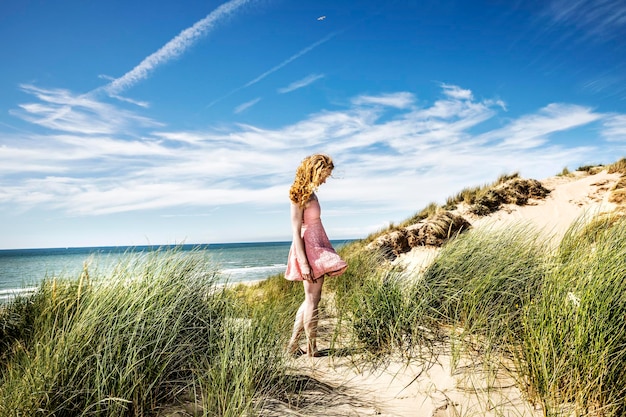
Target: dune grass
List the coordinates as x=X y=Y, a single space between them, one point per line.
x=481 y=280
x=478 y=283
x=618 y=166
x=574 y=336
x=156 y=330
x=471 y=195
x=370 y=302
x=556 y=314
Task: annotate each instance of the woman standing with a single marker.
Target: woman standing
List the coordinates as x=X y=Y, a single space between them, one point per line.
x=311 y=256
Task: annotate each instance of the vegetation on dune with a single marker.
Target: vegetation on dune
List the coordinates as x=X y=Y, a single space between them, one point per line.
x=557 y=314
x=617 y=167
x=434 y=231
x=470 y=195
x=371 y=305
x=514 y=191
x=434 y=225
x=574 y=336
x=618 y=192
x=564 y=173
x=480 y=281
x=158 y=330
x=591 y=169
x=484 y=199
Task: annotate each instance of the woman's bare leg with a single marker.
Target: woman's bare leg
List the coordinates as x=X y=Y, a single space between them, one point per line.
x=298 y=327
x=312 y=296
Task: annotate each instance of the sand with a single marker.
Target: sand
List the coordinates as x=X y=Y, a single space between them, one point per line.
x=439 y=389
x=572 y=198
x=433 y=389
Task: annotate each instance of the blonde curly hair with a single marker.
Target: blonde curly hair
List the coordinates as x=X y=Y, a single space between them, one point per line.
x=309 y=177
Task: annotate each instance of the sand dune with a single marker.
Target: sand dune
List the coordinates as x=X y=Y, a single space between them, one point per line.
x=571 y=198
x=437 y=389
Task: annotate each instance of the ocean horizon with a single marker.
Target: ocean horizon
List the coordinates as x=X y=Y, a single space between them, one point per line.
x=186 y=246
x=22 y=270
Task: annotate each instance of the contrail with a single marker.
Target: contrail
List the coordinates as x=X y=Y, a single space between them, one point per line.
x=290 y=59
x=173 y=48
x=276 y=68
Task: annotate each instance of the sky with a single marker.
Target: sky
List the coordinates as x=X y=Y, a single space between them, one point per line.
x=160 y=122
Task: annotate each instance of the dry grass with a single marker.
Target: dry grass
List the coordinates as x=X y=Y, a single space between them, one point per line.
x=618 y=193
x=619 y=166
x=434 y=231
x=591 y=169
x=428 y=211
x=470 y=195
x=514 y=191
x=446 y=224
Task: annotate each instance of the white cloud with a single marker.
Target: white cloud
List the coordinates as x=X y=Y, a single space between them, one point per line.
x=392 y=154
x=139 y=103
x=600 y=18
x=61 y=110
x=615 y=128
x=400 y=100
x=244 y=106
x=456 y=92
x=28 y=161
x=296 y=85
x=531 y=131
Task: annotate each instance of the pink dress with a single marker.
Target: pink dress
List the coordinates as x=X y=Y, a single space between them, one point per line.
x=319 y=252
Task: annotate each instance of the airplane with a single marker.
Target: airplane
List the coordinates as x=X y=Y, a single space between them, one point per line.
x=321 y=18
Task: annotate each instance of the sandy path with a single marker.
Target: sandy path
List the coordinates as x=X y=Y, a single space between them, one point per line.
x=430 y=390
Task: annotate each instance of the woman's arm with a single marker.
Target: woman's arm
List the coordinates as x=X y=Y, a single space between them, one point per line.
x=297 y=215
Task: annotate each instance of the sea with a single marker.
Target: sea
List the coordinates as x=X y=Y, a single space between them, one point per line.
x=21 y=270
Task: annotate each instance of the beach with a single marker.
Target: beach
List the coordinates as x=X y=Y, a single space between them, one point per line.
x=381 y=353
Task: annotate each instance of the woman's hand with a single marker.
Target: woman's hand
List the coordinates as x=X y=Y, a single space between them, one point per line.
x=305 y=270
x=307 y=274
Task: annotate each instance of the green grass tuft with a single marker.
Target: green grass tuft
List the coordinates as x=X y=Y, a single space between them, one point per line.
x=574 y=336
x=157 y=329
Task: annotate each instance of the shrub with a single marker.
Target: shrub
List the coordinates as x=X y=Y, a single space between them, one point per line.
x=514 y=191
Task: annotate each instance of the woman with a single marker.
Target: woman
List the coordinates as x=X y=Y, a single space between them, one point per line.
x=311 y=256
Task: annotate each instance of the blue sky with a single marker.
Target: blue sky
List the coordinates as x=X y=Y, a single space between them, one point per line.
x=160 y=122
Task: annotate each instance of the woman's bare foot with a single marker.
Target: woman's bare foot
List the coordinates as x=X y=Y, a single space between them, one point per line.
x=314 y=353
x=295 y=350
x=311 y=349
